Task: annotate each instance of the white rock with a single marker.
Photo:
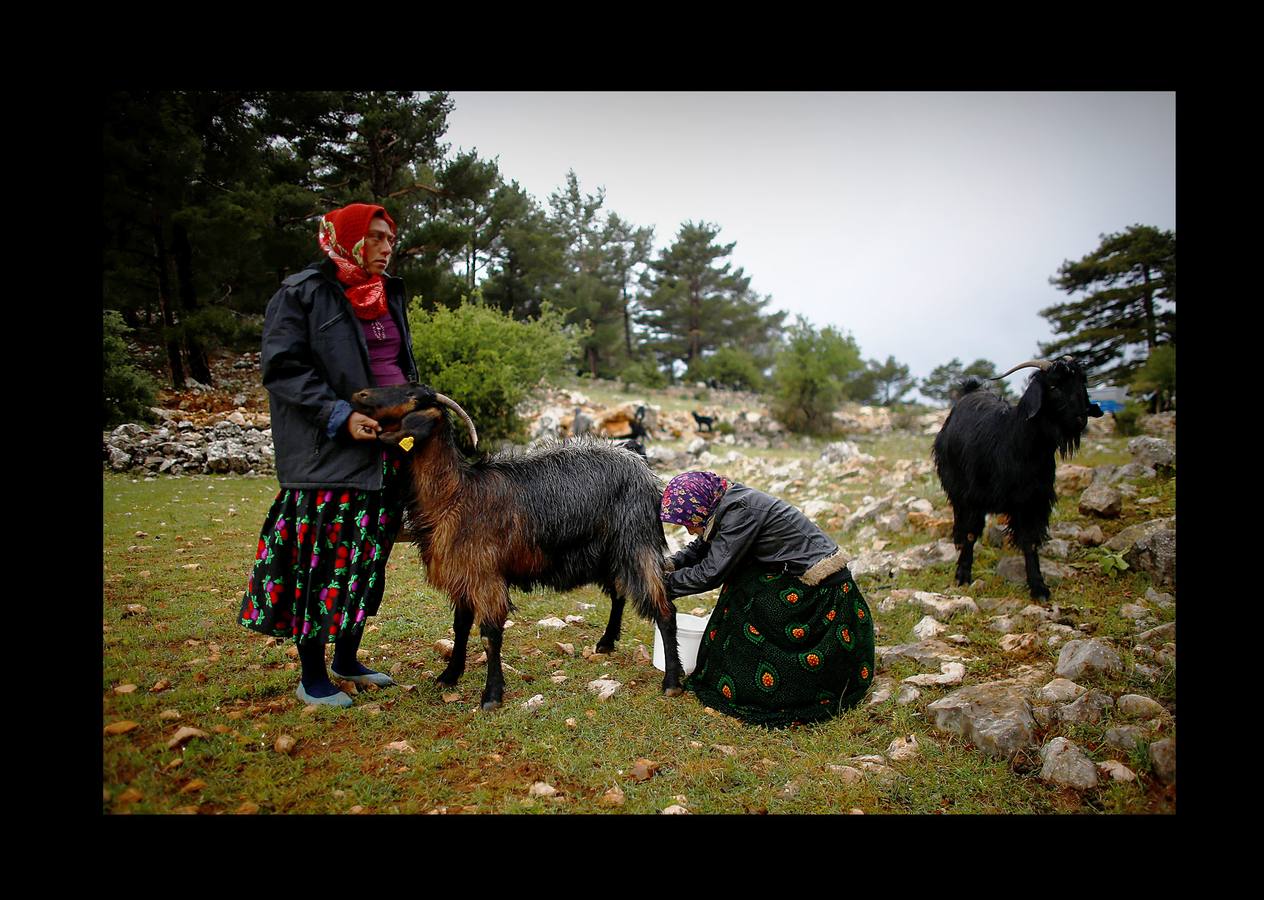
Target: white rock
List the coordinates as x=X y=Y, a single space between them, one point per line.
x=574 y=620
x=604 y=688
x=551 y=622
x=928 y=627
x=676 y=810
x=1066 y=765
x=534 y=703
x=1060 y=690
x=903 y=748
x=1133 y=611
x=1116 y=771
x=1137 y=706
x=847 y=774
x=1087 y=656
x=951 y=673
x=541 y=789
x=908 y=694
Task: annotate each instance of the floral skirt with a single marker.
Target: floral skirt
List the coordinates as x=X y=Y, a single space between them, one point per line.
x=320 y=567
x=777 y=652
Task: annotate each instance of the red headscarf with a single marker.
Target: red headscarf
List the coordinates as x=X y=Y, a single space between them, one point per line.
x=341 y=236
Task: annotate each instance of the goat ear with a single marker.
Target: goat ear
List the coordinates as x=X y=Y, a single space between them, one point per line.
x=1094 y=411
x=413 y=428
x=1030 y=404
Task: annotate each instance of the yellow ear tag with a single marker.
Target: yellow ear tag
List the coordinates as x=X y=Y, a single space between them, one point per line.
x=407 y=443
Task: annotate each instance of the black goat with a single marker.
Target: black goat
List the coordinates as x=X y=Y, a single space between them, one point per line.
x=577 y=512
x=996 y=458
x=702 y=420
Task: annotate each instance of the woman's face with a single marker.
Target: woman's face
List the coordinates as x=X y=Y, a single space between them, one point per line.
x=694 y=529
x=378 y=244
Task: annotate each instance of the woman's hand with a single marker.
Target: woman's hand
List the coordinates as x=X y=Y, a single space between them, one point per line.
x=362 y=428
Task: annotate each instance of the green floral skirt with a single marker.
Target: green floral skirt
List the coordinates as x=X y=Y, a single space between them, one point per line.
x=320 y=566
x=777 y=652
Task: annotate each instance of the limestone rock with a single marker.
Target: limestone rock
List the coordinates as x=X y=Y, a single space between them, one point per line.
x=908 y=694
x=944 y=607
x=1101 y=500
x=1153 y=452
x=1087 y=709
x=928 y=627
x=1115 y=771
x=1125 y=737
x=1138 y=706
x=996 y=717
x=1020 y=645
x=1060 y=690
x=1066 y=765
x=1158 y=635
x=1163 y=759
x=1072 y=479
x=1093 y=536
x=903 y=748
x=1128 y=539
x=1080 y=657
x=950 y=673
x=928 y=654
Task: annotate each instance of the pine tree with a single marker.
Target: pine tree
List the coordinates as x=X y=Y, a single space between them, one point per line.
x=1129 y=283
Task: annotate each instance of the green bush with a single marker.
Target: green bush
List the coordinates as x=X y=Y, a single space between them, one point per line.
x=732 y=367
x=1158 y=376
x=489 y=362
x=643 y=373
x=724 y=427
x=811 y=376
x=1128 y=419
x=127 y=392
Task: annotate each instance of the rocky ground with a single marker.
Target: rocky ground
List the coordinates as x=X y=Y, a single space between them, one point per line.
x=892 y=520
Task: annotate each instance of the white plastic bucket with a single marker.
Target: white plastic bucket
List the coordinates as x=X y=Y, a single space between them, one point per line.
x=689 y=630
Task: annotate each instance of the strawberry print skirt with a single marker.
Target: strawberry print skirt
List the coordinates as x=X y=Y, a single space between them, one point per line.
x=777 y=652
x=320 y=565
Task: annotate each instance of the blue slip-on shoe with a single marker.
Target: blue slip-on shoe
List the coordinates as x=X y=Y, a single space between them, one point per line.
x=339 y=699
x=381 y=679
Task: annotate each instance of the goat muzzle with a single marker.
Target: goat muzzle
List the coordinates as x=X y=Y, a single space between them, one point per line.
x=465 y=417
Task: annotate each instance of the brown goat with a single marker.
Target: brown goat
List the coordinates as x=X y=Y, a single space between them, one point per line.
x=578 y=512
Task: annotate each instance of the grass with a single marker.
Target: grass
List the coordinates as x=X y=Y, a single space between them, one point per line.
x=181 y=548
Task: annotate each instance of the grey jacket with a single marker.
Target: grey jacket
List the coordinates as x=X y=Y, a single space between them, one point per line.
x=751 y=526
x=315 y=357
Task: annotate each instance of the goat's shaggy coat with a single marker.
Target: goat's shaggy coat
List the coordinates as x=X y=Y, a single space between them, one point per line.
x=996 y=458
x=568 y=514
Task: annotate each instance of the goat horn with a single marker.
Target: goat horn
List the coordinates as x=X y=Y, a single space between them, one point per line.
x=465 y=417
x=1041 y=364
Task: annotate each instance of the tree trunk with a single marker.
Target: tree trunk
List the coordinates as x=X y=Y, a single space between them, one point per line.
x=627 y=323
x=164 y=303
x=592 y=361
x=1151 y=336
x=199 y=366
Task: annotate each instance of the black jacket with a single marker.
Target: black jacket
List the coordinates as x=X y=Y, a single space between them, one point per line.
x=315 y=354
x=751 y=526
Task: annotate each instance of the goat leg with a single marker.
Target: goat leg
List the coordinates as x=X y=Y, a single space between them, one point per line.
x=494 y=692
x=671 y=652
x=462 y=620
x=1035 y=581
x=966 y=528
x=615 y=626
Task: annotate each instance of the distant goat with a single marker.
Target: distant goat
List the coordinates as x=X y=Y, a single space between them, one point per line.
x=996 y=458
x=577 y=512
x=702 y=420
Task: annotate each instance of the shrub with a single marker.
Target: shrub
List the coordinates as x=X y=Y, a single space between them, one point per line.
x=1128 y=419
x=644 y=373
x=487 y=361
x=811 y=376
x=1158 y=377
x=127 y=392
x=724 y=427
x=732 y=367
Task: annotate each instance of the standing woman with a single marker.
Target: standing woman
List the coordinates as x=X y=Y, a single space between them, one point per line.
x=791 y=638
x=331 y=330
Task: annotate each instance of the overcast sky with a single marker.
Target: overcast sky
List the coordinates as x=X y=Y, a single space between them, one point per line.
x=925 y=224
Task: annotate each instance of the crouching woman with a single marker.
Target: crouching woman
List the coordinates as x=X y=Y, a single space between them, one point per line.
x=791 y=637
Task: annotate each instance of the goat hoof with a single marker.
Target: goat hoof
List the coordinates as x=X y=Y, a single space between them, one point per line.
x=604 y=648
x=673 y=691
x=443 y=682
x=489 y=705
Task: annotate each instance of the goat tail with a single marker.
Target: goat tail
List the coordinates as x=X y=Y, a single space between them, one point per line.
x=649 y=593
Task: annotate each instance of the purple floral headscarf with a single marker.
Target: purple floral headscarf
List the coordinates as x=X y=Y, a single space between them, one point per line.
x=691 y=497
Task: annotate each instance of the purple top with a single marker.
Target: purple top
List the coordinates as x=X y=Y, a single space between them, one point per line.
x=383 y=338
